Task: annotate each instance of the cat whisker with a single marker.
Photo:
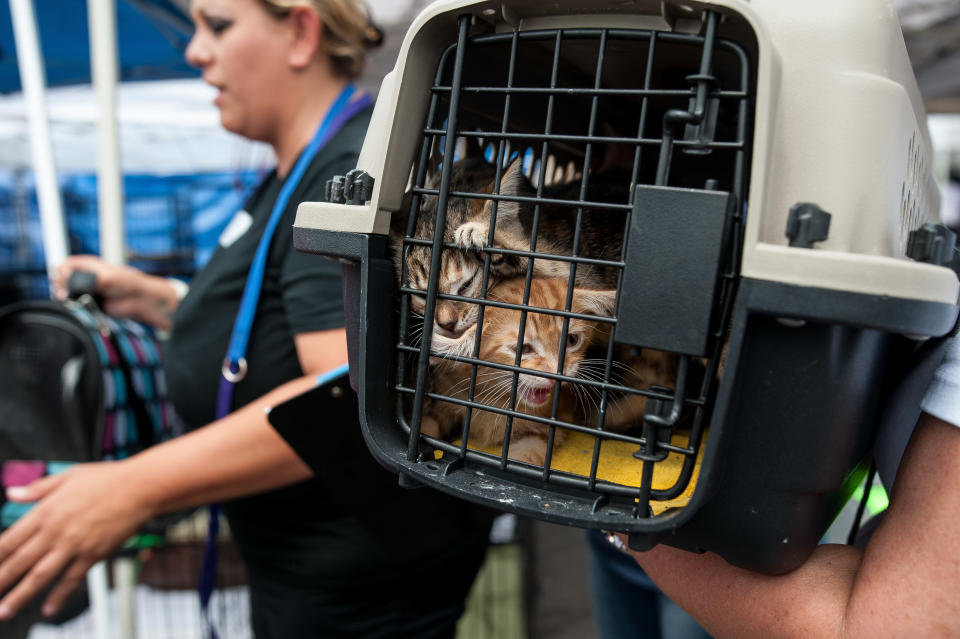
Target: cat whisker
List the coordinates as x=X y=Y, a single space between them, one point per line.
x=596 y=376
x=494 y=391
x=586 y=399
x=481 y=379
x=614 y=364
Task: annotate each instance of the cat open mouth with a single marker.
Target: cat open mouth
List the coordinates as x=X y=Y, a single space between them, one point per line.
x=537 y=395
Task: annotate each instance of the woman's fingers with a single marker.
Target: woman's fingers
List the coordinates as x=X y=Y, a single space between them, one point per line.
x=74 y=263
x=67 y=584
x=25 y=559
x=13 y=538
x=82 y=515
x=44 y=570
x=36 y=490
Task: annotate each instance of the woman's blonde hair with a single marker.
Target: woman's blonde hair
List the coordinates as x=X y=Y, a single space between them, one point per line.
x=347 y=30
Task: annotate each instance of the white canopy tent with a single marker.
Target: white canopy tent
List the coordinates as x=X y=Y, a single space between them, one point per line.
x=166 y=127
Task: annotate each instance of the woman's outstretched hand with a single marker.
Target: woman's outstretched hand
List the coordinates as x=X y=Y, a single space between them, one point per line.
x=126 y=291
x=82 y=515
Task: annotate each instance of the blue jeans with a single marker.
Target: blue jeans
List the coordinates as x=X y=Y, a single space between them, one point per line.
x=626 y=602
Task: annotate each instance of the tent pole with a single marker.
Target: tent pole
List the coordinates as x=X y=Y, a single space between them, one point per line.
x=99 y=592
x=33 y=81
x=103 y=69
x=102 y=19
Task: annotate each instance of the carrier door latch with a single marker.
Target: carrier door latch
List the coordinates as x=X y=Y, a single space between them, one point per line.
x=806 y=224
x=356 y=187
x=934 y=244
x=675 y=254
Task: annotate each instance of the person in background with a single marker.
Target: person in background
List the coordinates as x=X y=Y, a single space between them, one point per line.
x=904 y=583
x=626 y=603
x=280 y=66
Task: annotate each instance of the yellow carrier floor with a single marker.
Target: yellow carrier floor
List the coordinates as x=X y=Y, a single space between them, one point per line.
x=618 y=465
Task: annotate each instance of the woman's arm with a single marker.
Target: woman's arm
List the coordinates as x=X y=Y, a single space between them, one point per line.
x=126 y=291
x=85 y=513
x=905 y=584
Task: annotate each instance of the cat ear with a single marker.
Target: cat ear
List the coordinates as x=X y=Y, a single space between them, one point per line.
x=512 y=183
x=594 y=302
x=432 y=178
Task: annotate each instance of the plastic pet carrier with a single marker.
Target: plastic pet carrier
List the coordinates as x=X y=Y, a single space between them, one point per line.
x=650 y=267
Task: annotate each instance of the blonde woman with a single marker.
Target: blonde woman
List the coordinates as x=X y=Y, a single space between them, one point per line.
x=281 y=67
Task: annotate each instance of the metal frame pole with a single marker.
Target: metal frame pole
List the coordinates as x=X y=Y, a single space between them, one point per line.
x=102 y=18
x=33 y=82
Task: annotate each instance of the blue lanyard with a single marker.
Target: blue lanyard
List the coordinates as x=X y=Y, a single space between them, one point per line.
x=235 y=364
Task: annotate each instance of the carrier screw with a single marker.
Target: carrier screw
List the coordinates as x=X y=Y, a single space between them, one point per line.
x=932 y=244
x=807 y=223
x=358 y=187
x=334 y=190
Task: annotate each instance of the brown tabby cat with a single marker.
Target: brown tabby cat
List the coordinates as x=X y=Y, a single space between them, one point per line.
x=601 y=231
x=468 y=224
x=540 y=351
x=460 y=270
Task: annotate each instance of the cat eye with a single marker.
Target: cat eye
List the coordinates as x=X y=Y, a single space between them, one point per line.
x=527 y=348
x=574 y=340
x=466 y=286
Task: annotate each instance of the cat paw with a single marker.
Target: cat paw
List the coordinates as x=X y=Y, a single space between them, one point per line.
x=532 y=451
x=471 y=236
x=429 y=426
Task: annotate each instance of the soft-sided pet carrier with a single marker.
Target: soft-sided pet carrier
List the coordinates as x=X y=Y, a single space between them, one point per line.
x=777 y=253
x=75 y=386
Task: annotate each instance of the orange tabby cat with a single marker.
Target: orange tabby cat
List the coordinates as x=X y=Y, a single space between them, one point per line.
x=540 y=351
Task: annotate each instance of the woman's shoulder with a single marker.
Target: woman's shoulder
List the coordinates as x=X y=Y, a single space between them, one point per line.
x=339 y=155
x=349 y=139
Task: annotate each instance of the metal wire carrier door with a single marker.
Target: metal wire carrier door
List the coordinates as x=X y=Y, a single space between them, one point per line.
x=633 y=147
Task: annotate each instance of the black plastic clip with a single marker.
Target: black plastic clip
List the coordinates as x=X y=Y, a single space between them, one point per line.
x=333 y=191
x=358 y=187
x=702 y=130
x=653 y=431
x=932 y=244
x=807 y=223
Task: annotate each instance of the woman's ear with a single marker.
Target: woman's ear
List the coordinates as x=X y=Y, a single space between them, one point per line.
x=306 y=36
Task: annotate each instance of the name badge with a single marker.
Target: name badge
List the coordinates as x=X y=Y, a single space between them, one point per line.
x=239 y=225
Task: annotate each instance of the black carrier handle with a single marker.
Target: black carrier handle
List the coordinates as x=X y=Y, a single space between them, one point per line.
x=82 y=283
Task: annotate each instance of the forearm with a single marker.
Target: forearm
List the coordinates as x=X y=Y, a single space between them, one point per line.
x=809 y=603
x=156 y=303
x=903 y=585
x=238 y=455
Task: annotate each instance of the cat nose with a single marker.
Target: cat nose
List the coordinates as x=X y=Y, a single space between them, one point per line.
x=448 y=329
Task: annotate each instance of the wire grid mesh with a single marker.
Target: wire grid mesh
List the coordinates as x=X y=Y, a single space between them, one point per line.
x=568 y=106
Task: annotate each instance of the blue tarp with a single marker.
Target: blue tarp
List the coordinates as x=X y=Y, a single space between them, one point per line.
x=172 y=223
x=151 y=34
